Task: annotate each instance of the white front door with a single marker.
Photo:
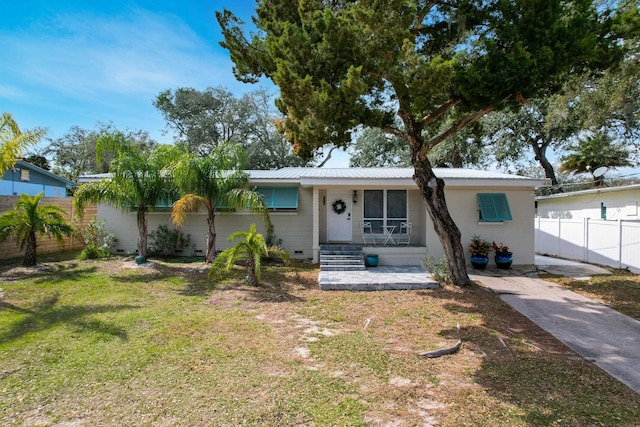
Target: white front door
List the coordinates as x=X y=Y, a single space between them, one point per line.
x=339 y=226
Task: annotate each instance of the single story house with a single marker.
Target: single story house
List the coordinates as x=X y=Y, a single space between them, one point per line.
x=380 y=208
x=610 y=203
x=31 y=179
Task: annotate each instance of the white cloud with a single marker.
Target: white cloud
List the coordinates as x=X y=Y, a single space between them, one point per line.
x=11 y=92
x=139 y=53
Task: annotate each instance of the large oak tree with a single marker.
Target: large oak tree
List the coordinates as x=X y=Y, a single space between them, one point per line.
x=341 y=63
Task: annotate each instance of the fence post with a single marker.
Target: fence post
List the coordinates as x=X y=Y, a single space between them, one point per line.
x=559 y=237
x=585 y=236
x=619 y=243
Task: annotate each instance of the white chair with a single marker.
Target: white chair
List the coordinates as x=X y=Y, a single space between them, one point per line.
x=404 y=237
x=367 y=233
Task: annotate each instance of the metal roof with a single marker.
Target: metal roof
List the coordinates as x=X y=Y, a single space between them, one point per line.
x=311 y=176
x=373 y=176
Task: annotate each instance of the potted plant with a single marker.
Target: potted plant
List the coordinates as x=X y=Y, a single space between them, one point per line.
x=479 y=249
x=503 y=257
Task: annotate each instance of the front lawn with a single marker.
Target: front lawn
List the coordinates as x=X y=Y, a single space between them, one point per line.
x=619 y=290
x=113 y=343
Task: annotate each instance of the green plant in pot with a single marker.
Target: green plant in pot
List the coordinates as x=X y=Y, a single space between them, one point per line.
x=503 y=257
x=479 y=249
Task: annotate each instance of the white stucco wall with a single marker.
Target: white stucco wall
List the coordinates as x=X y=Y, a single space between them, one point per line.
x=518 y=233
x=620 y=204
x=294 y=228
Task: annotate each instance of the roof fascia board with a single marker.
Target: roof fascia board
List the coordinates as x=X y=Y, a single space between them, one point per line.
x=27 y=165
x=591 y=191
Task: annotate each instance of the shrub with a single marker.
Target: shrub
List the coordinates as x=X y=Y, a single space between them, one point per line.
x=165 y=242
x=97 y=240
x=439 y=270
x=92 y=251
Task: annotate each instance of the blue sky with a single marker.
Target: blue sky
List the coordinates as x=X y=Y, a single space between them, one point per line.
x=77 y=62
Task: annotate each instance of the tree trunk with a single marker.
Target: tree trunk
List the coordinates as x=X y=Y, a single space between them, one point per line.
x=210 y=253
x=252 y=279
x=142 y=233
x=541 y=156
x=432 y=189
x=30 y=250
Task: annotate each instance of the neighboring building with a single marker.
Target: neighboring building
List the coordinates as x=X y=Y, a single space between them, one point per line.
x=30 y=179
x=600 y=226
x=312 y=206
x=599 y=203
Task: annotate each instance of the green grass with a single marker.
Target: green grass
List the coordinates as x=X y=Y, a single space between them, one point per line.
x=110 y=343
x=620 y=290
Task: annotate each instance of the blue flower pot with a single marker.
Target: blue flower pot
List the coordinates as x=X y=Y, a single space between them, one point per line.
x=479 y=261
x=503 y=260
x=371 y=260
x=140 y=260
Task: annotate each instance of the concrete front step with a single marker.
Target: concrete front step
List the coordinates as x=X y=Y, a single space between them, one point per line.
x=337 y=257
x=343 y=268
x=340 y=253
x=341 y=258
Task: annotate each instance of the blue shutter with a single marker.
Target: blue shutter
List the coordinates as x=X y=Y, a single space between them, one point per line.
x=279 y=197
x=494 y=207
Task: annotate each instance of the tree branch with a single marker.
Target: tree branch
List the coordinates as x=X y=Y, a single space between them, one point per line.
x=434 y=115
x=416 y=26
x=395 y=132
x=326 y=159
x=453 y=129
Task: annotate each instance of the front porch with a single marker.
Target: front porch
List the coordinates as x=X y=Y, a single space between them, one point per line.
x=389 y=255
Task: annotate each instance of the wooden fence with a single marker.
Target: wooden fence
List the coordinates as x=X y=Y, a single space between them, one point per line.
x=612 y=243
x=9 y=248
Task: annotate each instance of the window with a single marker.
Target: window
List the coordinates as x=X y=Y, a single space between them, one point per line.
x=385 y=208
x=494 y=207
x=24 y=175
x=279 y=197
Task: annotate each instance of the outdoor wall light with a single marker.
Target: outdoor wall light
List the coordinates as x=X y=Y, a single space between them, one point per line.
x=355 y=196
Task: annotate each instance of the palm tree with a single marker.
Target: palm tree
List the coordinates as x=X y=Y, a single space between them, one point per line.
x=216 y=183
x=136 y=183
x=252 y=247
x=28 y=219
x=13 y=142
x=593 y=152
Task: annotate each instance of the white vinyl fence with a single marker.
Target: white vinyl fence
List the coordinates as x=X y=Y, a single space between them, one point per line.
x=598 y=241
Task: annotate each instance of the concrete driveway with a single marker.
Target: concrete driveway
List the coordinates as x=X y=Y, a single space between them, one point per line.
x=593 y=330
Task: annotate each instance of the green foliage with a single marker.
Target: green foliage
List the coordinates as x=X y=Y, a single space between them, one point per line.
x=538 y=127
x=30 y=219
x=38 y=160
x=74 y=153
x=251 y=248
x=479 y=246
x=96 y=234
x=439 y=270
x=205 y=119
x=374 y=148
x=97 y=240
x=336 y=68
x=137 y=182
x=13 y=141
x=592 y=152
x=217 y=180
x=92 y=251
x=165 y=242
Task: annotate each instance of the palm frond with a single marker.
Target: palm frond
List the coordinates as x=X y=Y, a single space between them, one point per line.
x=187 y=203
